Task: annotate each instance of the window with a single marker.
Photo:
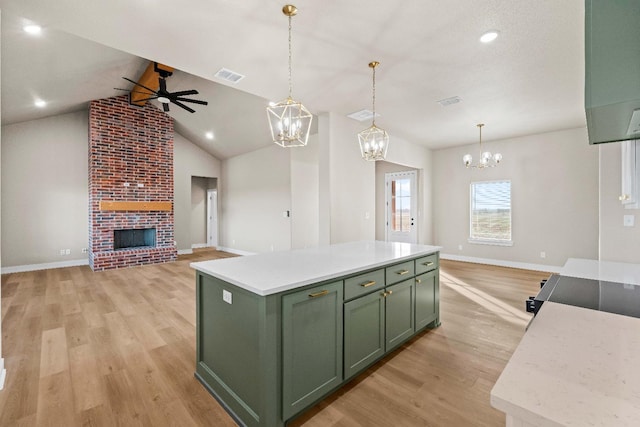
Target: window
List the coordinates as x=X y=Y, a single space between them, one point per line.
x=490 y=212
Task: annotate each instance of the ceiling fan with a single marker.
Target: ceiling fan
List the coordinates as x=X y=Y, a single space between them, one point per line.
x=163 y=95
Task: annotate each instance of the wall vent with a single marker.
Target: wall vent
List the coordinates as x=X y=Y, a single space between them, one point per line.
x=228 y=75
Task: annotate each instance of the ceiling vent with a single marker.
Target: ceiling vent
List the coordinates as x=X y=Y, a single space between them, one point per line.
x=228 y=75
x=362 y=115
x=449 y=101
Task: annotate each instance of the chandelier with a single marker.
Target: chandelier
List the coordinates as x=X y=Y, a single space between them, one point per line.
x=289 y=120
x=373 y=140
x=487 y=160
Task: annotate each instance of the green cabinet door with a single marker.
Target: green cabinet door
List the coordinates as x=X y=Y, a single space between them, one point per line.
x=363 y=332
x=399 y=320
x=426 y=298
x=311 y=346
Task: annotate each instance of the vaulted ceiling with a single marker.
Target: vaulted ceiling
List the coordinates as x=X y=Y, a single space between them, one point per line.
x=529 y=80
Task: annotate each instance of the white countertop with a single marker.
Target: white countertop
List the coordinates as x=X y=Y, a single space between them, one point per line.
x=270 y=273
x=609 y=271
x=574 y=367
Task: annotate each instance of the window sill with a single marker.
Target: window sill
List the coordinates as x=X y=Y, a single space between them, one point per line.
x=491 y=242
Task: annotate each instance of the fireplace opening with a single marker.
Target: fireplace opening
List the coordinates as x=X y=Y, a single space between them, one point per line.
x=134 y=238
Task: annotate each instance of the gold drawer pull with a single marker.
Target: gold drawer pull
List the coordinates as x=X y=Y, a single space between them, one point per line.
x=418 y=280
x=319 y=294
x=390 y=292
x=386 y=294
x=367 y=284
x=401 y=272
x=428 y=264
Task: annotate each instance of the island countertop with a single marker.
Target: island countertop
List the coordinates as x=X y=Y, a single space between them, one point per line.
x=574 y=366
x=620 y=272
x=274 y=272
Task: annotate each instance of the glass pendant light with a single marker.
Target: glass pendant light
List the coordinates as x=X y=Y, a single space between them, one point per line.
x=487 y=160
x=373 y=140
x=289 y=120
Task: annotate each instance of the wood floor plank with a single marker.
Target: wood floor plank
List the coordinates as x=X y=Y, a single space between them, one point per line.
x=129 y=340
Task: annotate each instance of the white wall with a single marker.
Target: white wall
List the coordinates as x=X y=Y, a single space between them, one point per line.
x=351 y=182
x=45 y=190
x=255 y=192
x=554 y=189
x=305 y=195
x=617 y=243
x=189 y=160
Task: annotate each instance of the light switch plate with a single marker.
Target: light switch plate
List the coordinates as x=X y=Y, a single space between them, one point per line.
x=227 y=297
x=629 y=220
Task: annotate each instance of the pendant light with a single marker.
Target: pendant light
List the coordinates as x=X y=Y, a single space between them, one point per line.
x=289 y=120
x=487 y=160
x=373 y=140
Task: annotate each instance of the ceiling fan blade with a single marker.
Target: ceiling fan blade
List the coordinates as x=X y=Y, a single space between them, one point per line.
x=184 y=93
x=180 y=104
x=195 y=101
x=165 y=107
x=138 y=84
x=135 y=91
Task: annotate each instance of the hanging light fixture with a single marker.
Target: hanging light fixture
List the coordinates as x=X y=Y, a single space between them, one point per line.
x=373 y=140
x=487 y=160
x=289 y=120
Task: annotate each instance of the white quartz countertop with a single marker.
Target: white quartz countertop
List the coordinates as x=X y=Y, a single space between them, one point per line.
x=620 y=272
x=270 y=273
x=574 y=367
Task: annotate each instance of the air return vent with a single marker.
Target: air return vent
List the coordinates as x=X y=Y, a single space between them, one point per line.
x=362 y=115
x=228 y=75
x=449 y=101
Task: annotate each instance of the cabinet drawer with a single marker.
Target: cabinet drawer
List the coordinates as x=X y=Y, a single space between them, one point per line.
x=363 y=283
x=399 y=272
x=427 y=263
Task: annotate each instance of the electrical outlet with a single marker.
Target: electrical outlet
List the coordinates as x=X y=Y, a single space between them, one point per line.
x=628 y=220
x=61 y=251
x=543 y=254
x=459 y=247
x=227 y=297
x=67 y=251
x=84 y=250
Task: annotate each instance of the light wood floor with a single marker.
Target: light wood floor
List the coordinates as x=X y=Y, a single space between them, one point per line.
x=117 y=348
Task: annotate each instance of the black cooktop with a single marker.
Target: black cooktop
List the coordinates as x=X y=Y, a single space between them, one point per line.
x=612 y=297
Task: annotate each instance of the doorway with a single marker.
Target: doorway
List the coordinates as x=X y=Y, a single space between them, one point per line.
x=401 y=191
x=212 y=218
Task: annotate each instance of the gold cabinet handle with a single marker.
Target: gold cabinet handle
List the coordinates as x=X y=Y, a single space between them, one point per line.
x=390 y=292
x=318 y=294
x=418 y=280
x=428 y=264
x=367 y=284
x=384 y=294
x=401 y=272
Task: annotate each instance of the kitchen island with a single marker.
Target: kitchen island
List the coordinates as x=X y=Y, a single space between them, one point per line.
x=278 y=332
x=577 y=366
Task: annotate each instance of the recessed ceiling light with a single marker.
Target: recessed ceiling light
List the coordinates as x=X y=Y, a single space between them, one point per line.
x=489 y=36
x=209 y=135
x=32 y=29
x=39 y=103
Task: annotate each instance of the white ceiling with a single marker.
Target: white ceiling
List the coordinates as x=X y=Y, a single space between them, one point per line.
x=530 y=80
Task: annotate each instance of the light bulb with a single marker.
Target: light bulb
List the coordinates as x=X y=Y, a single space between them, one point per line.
x=497 y=157
x=467 y=159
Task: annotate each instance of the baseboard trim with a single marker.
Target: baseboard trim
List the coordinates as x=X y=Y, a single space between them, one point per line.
x=3 y=373
x=235 y=251
x=199 y=245
x=185 y=251
x=501 y=263
x=44 y=266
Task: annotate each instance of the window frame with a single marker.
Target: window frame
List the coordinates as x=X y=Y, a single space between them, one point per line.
x=490 y=241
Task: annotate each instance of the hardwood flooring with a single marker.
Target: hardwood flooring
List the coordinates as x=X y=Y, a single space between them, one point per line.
x=117 y=348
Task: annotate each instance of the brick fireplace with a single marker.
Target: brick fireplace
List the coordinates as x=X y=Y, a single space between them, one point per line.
x=130 y=184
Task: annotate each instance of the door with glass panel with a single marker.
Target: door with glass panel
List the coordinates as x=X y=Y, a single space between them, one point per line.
x=401 y=190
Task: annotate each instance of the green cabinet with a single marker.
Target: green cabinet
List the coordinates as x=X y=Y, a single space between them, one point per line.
x=364 y=325
x=377 y=323
x=311 y=345
x=399 y=325
x=427 y=298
